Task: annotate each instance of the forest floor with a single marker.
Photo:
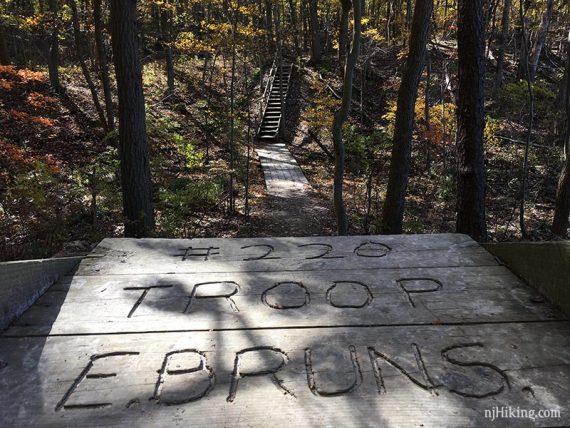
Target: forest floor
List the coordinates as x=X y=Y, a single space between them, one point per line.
x=53 y=200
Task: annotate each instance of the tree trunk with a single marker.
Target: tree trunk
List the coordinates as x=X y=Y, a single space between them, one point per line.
x=524 y=41
x=53 y=59
x=79 y=47
x=409 y=8
x=103 y=65
x=4 y=53
x=502 y=45
x=530 y=90
x=562 y=211
x=269 y=21
x=346 y=5
x=166 y=36
x=471 y=120
x=316 y=49
x=393 y=211
x=341 y=116
x=133 y=143
x=295 y=27
x=231 y=146
x=540 y=39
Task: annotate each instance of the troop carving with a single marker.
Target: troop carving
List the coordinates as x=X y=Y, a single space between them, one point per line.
x=185 y=375
x=286 y=295
x=312 y=251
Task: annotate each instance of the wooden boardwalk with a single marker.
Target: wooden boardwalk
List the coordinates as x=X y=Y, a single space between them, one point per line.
x=336 y=331
x=283 y=176
x=276 y=94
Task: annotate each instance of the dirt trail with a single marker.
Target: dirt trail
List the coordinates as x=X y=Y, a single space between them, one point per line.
x=296 y=210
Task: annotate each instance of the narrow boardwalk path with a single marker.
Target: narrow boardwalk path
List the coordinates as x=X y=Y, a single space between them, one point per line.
x=295 y=212
x=283 y=176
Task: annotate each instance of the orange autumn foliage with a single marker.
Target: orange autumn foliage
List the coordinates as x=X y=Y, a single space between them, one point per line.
x=24 y=74
x=40 y=101
x=6 y=85
x=20 y=160
x=22 y=116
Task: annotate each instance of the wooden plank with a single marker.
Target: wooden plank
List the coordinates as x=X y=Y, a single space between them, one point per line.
x=339 y=331
x=544 y=265
x=143 y=303
x=391 y=376
x=153 y=256
x=22 y=282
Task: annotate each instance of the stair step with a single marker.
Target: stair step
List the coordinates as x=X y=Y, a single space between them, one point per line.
x=272 y=116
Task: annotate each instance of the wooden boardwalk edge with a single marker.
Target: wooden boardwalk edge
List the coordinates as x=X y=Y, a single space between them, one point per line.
x=146 y=334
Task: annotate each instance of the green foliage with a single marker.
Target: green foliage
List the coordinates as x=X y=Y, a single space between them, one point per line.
x=181 y=201
x=492 y=128
x=107 y=183
x=447 y=188
x=361 y=148
x=514 y=97
x=168 y=132
x=33 y=186
x=192 y=156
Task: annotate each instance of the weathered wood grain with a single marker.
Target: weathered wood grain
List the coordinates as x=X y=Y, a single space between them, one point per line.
x=143 y=303
x=22 y=282
x=393 y=376
x=128 y=256
x=338 y=331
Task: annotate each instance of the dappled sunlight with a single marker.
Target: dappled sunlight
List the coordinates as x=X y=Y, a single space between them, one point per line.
x=26 y=119
x=290 y=331
x=24 y=75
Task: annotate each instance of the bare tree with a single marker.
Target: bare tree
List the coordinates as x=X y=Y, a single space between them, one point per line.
x=471 y=120
x=103 y=64
x=346 y=5
x=562 y=211
x=340 y=117
x=393 y=210
x=53 y=59
x=526 y=70
x=503 y=37
x=540 y=39
x=316 y=49
x=85 y=70
x=133 y=142
x=4 y=53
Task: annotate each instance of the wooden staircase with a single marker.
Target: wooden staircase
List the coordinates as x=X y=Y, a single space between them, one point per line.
x=275 y=97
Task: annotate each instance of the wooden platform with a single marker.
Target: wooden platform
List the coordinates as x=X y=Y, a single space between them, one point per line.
x=353 y=331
